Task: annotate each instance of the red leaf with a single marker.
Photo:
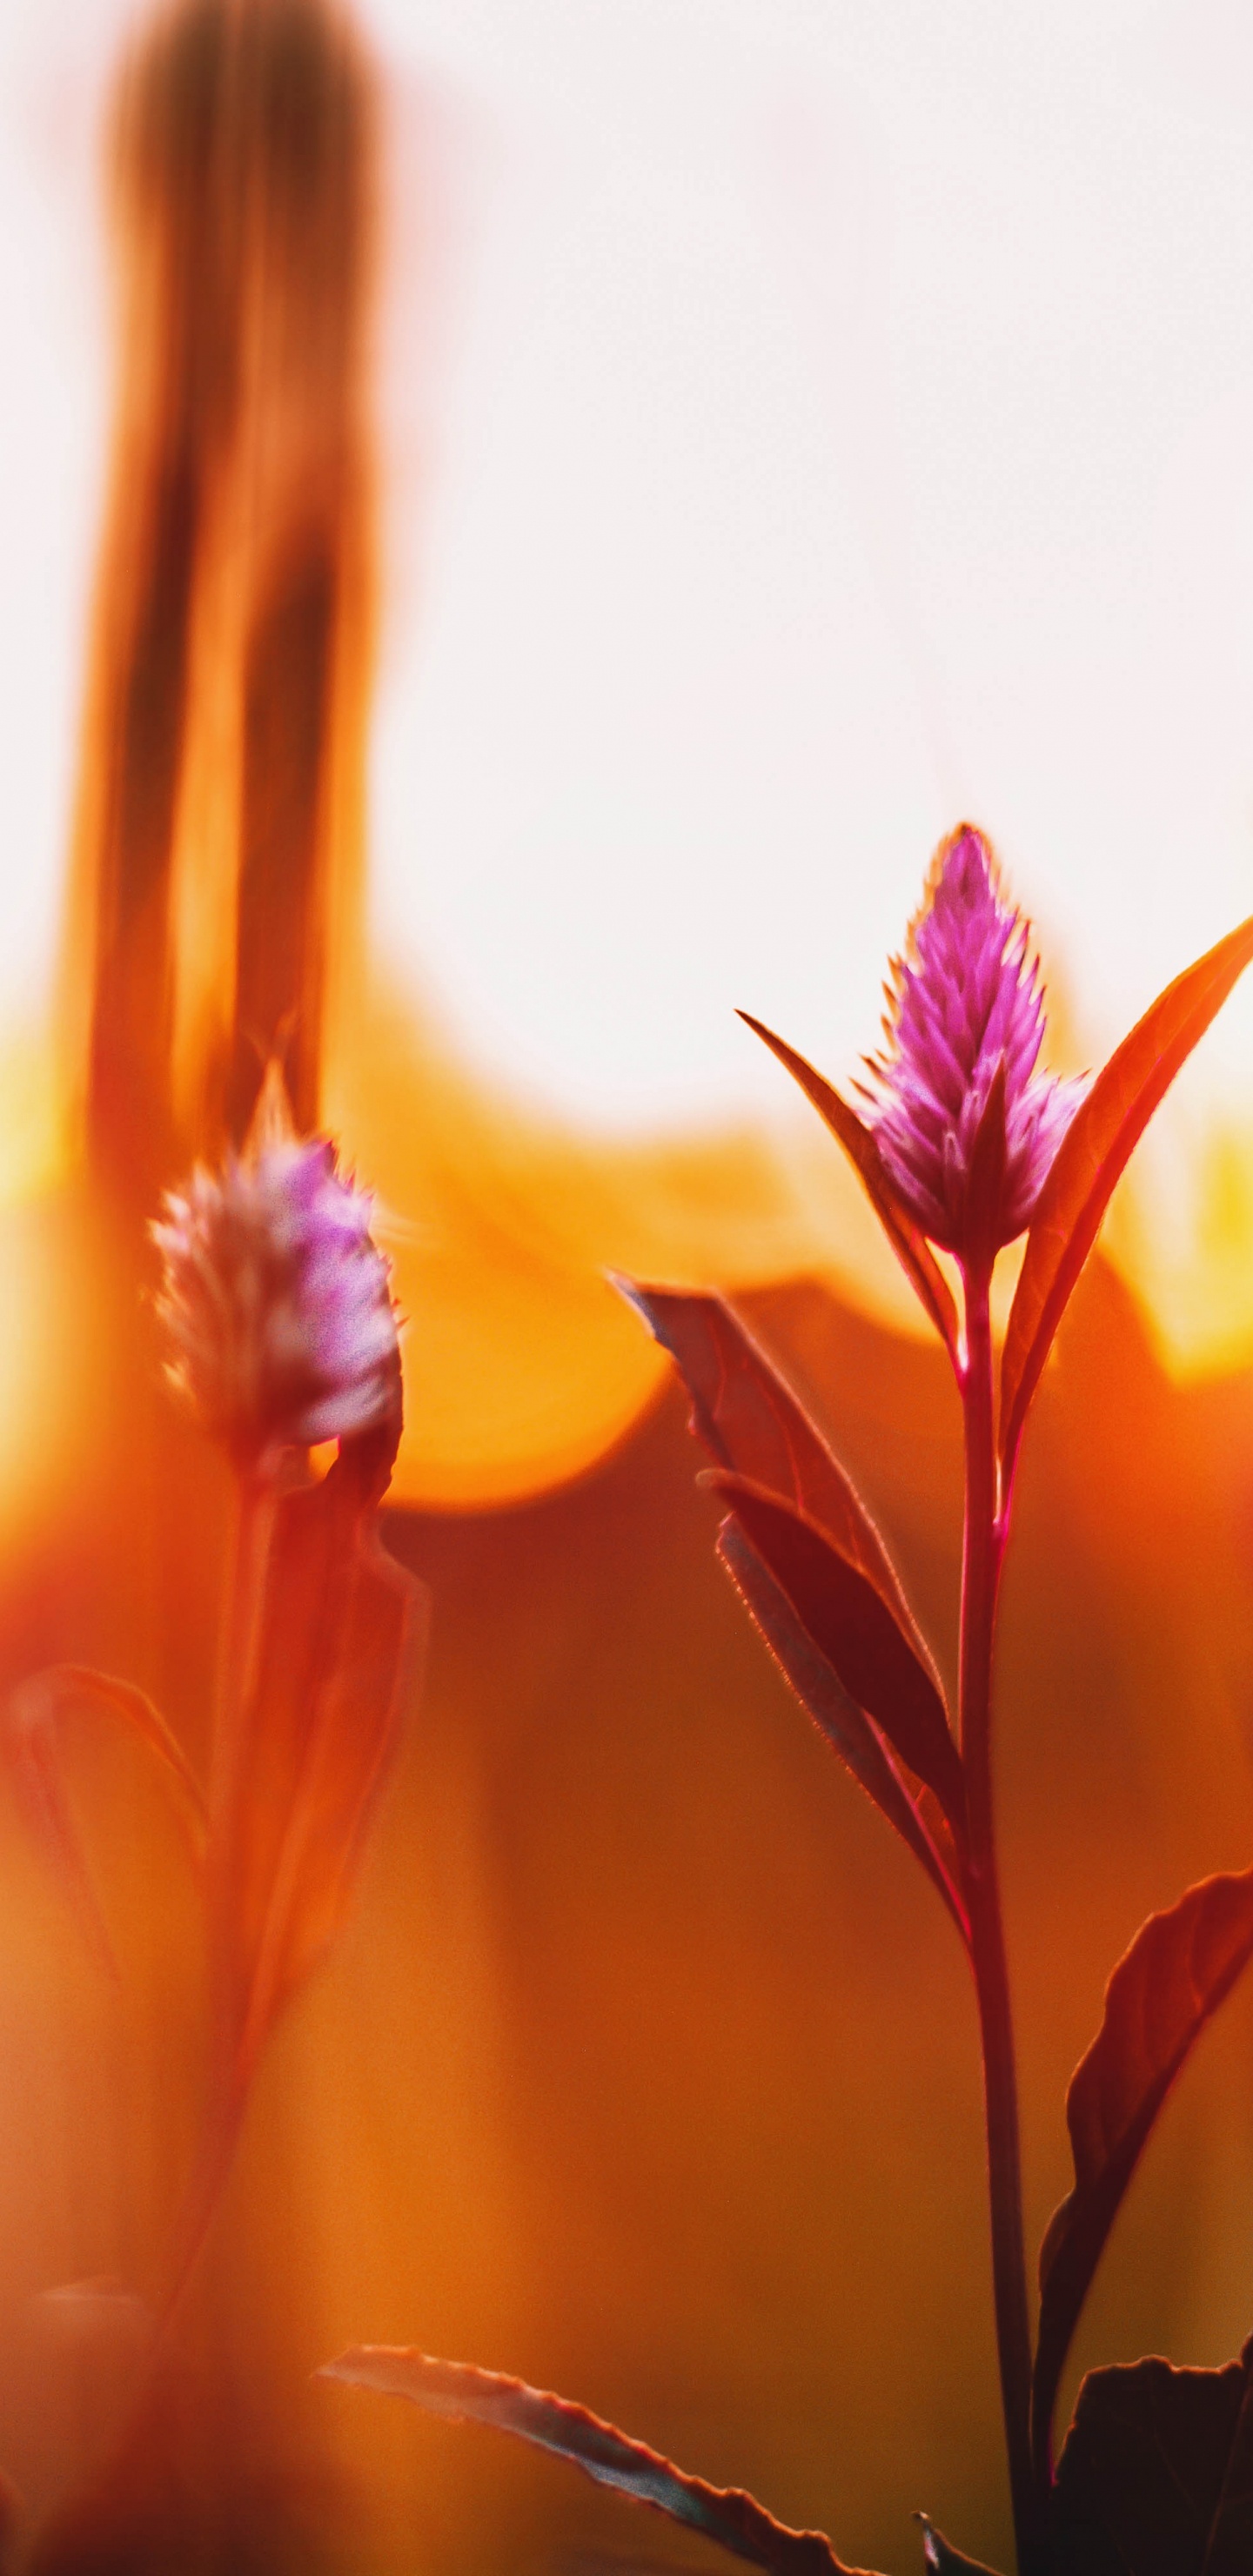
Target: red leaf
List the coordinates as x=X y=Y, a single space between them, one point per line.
x=1093 y=1153
x=750 y=1421
x=903 y=1231
x=723 y=2514
x=917 y=1815
x=32 y=1735
x=1180 y=1967
x=941 y=2557
x=851 y=1624
x=340 y=1623
x=1156 y=2478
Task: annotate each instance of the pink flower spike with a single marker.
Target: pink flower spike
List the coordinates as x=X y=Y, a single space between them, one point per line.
x=967 y=1006
x=275 y=1296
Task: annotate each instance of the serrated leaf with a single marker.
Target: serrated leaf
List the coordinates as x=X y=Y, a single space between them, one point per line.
x=341 y=1623
x=33 y=1732
x=903 y=1232
x=907 y=1804
x=1156 y=2477
x=850 y=1623
x=751 y=1422
x=723 y=2514
x=942 y=2559
x=1093 y=1153
x=1180 y=1967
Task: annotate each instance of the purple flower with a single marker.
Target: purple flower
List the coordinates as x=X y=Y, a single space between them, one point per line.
x=967 y=1020
x=275 y=1297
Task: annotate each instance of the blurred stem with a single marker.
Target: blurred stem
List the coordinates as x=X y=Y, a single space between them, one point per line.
x=239 y=1648
x=242 y=1609
x=982 y=1550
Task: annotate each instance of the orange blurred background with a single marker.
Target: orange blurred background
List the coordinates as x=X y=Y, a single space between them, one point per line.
x=645 y=2069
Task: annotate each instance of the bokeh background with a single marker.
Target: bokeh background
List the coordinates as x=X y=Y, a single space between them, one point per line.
x=521 y=527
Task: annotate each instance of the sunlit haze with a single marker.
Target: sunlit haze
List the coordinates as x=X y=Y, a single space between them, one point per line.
x=801 y=424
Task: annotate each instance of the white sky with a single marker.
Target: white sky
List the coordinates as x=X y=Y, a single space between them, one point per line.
x=805 y=421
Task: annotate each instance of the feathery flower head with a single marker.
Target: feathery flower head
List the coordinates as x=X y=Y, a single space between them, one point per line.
x=274 y=1295
x=966 y=1126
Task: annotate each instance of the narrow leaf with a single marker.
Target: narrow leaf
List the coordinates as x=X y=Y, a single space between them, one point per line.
x=1180 y=1967
x=903 y=1232
x=723 y=2514
x=985 y=1186
x=942 y=2559
x=849 y=1623
x=34 y=1749
x=341 y=1624
x=1092 y=1155
x=750 y=1421
x=1156 y=2478
x=917 y=1815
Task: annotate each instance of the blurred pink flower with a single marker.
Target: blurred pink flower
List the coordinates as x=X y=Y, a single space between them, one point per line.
x=275 y=1297
x=967 y=1004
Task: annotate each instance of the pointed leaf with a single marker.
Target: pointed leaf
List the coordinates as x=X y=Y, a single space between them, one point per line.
x=917 y=1815
x=1092 y=1155
x=985 y=1186
x=32 y=1736
x=903 y=1231
x=849 y=1623
x=723 y=2514
x=750 y=1421
x=1180 y=1967
x=1156 y=2478
x=341 y=1625
x=942 y=2559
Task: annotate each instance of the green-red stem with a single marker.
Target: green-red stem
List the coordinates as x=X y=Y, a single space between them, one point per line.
x=981 y=1566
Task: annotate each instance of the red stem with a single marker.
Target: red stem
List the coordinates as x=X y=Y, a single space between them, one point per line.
x=983 y=1548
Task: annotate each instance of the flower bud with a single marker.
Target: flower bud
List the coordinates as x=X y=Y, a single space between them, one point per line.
x=964 y=1032
x=275 y=1297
